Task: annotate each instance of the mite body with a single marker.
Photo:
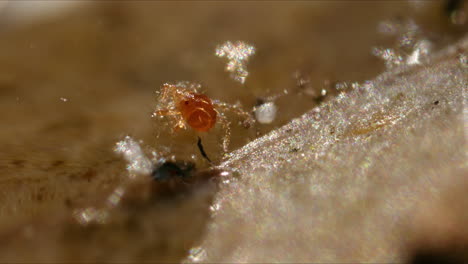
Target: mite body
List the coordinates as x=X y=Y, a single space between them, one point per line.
x=198 y=111
x=188 y=107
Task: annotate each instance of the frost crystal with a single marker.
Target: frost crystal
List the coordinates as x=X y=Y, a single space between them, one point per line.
x=237 y=55
x=410 y=46
x=410 y=32
x=137 y=161
x=421 y=48
x=390 y=56
x=196 y=254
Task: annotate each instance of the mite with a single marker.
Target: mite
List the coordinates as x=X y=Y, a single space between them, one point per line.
x=188 y=107
x=198 y=111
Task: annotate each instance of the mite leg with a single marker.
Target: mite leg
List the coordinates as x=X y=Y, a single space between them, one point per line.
x=166 y=89
x=202 y=150
x=195 y=88
x=166 y=112
x=180 y=124
x=175 y=115
x=248 y=119
x=227 y=131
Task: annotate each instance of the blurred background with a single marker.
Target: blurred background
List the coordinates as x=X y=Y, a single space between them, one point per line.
x=78 y=76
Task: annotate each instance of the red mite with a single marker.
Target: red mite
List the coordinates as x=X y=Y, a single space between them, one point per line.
x=188 y=107
x=198 y=111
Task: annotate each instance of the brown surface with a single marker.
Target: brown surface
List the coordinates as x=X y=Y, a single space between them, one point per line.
x=108 y=60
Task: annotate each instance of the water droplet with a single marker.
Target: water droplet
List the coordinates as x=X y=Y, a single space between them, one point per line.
x=266 y=113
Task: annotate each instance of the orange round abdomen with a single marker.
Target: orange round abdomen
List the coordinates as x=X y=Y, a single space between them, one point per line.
x=198 y=112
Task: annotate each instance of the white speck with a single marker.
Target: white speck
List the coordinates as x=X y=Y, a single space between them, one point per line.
x=237 y=54
x=463 y=60
x=196 y=254
x=224 y=173
x=215 y=207
x=354 y=85
x=90 y=214
x=341 y=86
x=266 y=113
x=323 y=92
x=63 y=99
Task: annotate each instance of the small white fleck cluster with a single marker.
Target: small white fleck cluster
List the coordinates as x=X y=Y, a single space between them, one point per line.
x=421 y=49
x=390 y=56
x=238 y=54
x=131 y=151
x=91 y=214
x=410 y=48
x=196 y=254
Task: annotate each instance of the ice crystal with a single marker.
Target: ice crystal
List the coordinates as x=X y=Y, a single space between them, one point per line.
x=390 y=56
x=421 y=49
x=91 y=214
x=410 y=48
x=138 y=163
x=237 y=54
x=409 y=34
x=196 y=254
